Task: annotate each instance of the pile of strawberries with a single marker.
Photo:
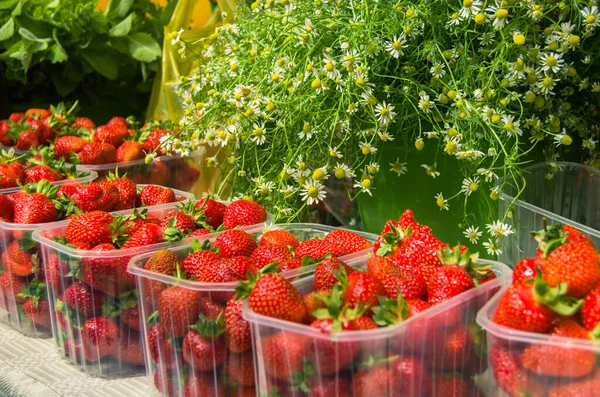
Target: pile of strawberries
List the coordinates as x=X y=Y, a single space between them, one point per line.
x=556 y=293
x=31 y=129
x=197 y=336
x=93 y=296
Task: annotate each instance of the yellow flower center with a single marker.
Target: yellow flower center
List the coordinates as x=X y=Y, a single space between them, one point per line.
x=372 y=169
x=440 y=202
x=496 y=119
x=452 y=94
x=451 y=147
x=425 y=104
x=467 y=3
x=397 y=45
x=302 y=165
x=419 y=144
x=590 y=18
x=455 y=16
x=479 y=19
x=318 y=174
x=501 y=13
x=548 y=82
x=566 y=140
x=270 y=107
x=494 y=195
x=366 y=150
x=407 y=29
x=452 y=132
x=519 y=39
x=340 y=173
x=234 y=67
x=258 y=131
x=316 y=84
x=551 y=61
x=312 y=192
x=384 y=112
x=275 y=77
x=473 y=186
x=574 y=40
x=365 y=183
x=360 y=82
x=329 y=67
x=249 y=112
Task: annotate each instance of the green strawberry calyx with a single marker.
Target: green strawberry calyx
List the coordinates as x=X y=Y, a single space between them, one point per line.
x=392 y=240
x=71 y=315
x=244 y=288
x=467 y=260
x=390 y=311
x=210 y=328
x=341 y=313
x=34 y=291
x=113 y=307
x=554 y=297
x=550 y=238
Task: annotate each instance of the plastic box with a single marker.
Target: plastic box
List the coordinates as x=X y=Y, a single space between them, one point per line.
x=571 y=196
x=566 y=354
x=215 y=370
x=171 y=171
x=411 y=358
x=92 y=175
x=11 y=305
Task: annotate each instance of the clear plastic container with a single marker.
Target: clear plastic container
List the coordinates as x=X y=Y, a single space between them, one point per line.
x=171 y=171
x=571 y=197
x=219 y=371
x=568 y=356
x=91 y=175
x=417 y=357
x=16 y=241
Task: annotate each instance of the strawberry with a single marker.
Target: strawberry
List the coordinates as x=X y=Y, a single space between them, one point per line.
x=550 y=359
x=577 y=264
x=525 y=269
x=533 y=306
x=211 y=309
x=240 y=266
x=152 y=142
x=147 y=234
x=100 y=337
x=393 y=277
x=178 y=308
x=113 y=135
x=130 y=151
x=126 y=188
x=289 y=264
x=38 y=311
x=204 y=345
x=36 y=207
x=136 y=219
x=505 y=365
x=212 y=211
x=162 y=262
x=5 y=138
x=39 y=113
x=234 y=243
x=84 y=122
x=551 y=235
x=131 y=351
x=325 y=274
x=374 y=381
x=452 y=278
x=410 y=376
x=28 y=139
x=11 y=286
x=390 y=311
x=243 y=213
x=282 y=238
x=317 y=249
x=165 y=383
x=360 y=288
x=11 y=175
x=41 y=172
x=81 y=298
x=240 y=368
x=97 y=153
x=96 y=197
x=199 y=233
x=352 y=242
x=203 y=385
x=67 y=144
x=108 y=275
x=272 y=295
x=118 y=121
x=195 y=262
x=185 y=174
x=282 y=354
x=92 y=228
x=156 y=195
x=583 y=387
x=331 y=386
x=238 y=337
x=451 y=386
x=221 y=272
x=590 y=310
x=451 y=348
x=131 y=318
x=159 y=173
x=266 y=254
x=175 y=219
x=162 y=350
x=18 y=257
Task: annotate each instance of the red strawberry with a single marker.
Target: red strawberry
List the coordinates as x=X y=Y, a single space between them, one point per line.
x=92 y=228
x=28 y=139
x=195 y=263
x=156 y=195
x=282 y=354
x=238 y=337
x=577 y=264
x=34 y=208
x=113 y=135
x=316 y=249
x=525 y=269
x=211 y=309
x=352 y=242
x=361 y=288
x=226 y=270
x=11 y=175
x=18 y=257
x=204 y=345
x=178 y=308
x=162 y=262
x=81 y=298
x=152 y=142
x=266 y=254
x=199 y=233
x=452 y=386
x=203 y=385
x=243 y=213
x=84 y=122
x=410 y=376
x=165 y=383
x=159 y=173
x=330 y=356
x=240 y=368
x=97 y=153
x=100 y=337
x=11 y=286
x=131 y=351
x=16 y=117
x=147 y=234
x=583 y=387
x=393 y=277
x=451 y=348
x=240 y=265
x=289 y=264
x=131 y=318
x=130 y=151
x=184 y=223
x=374 y=381
x=127 y=191
x=283 y=238
x=235 y=242
x=576 y=236
x=118 y=121
x=108 y=275
x=325 y=274
x=590 y=310
x=212 y=211
x=38 y=311
x=96 y=197
x=549 y=359
x=136 y=219
x=162 y=350
x=41 y=172
x=274 y=296
x=5 y=138
x=452 y=278
x=332 y=386
x=39 y=113
x=67 y=144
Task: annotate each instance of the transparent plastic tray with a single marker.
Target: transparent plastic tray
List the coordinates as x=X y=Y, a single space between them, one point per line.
x=351 y=361
x=215 y=294
x=92 y=175
x=571 y=197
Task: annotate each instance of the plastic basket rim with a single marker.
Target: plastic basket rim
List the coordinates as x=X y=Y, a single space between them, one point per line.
x=256 y=319
x=127 y=164
x=35 y=226
x=136 y=263
x=546 y=213
x=93 y=175
x=484 y=319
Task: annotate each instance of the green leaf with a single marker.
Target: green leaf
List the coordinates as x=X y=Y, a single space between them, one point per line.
x=119 y=8
x=105 y=65
x=57 y=53
x=7 y=4
x=122 y=28
x=7 y=30
x=64 y=86
x=143 y=47
x=28 y=35
x=17 y=10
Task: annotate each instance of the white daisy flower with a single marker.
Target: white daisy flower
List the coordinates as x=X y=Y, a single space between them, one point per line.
x=313 y=192
x=394 y=47
x=425 y=104
x=551 y=62
x=512 y=127
x=470 y=8
x=589 y=144
x=473 y=234
x=498 y=15
x=259 y=134
x=590 y=16
x=385 y=113
x=264 y=188
x=430 y=170
x=385 y=136
x=488 y=175
x=398 y=167
x=342 y=171
x=441 y=202
x=334 y=152
x=438 y=70
x=469 y=185
x=364 y=185
x=492 y=247
x=498 y=229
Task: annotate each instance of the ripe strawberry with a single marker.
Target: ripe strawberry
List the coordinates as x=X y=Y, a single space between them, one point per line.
x=147 y=234
x=240 y=266
x=28 y=139
x=532 y=306
x=195 y=262
x=451 y=348
x=108 y=275
x=136 y=219
x=39 y=113
x=282 y=238
x=313 y=301
x=393 y=277
x=127 y=191
x=100 y=337
x=199 y=233
x=11 y=286
x=178 y=308
x=18 y=257
x=204 y=345
x=235 y=242
x=67 y=144
x=240 y=368
x=452 y=386
x=5 y=138
x=162 y=262
x=410 y=376
x=131 y=351
x=237 y=337
x=289 y=264
x=352 y=242
x=212 y=211
x=97 y=153
x=452 y=278
x=590 y=310
x=274 y=296
x=165 y=383
x=11 y=175
x=266 y=254
x=156 y=195
x=38 y=311
x=211 y=309
x=34 y=208
x=221 y=272
x=525 y=269
x=92 y=228
x=282 y=354
x=131 y=318
x=204 y=385
x=81 y=298
x=330 y=356
x=152 y=142
x=84 y=122
x=361 y=288
x=316 y=249
x=325 y=274
x=557 y=361
x=162 y=350
x=41 y=172
x=130 y=151
x=577 y=264
x=584 y=387
x=118 y=121
x=243 y=213
x=185 y=174
x=183 y=222
x=159 y=173
x=96 y=197
x=112 y=135
x=373 y=381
